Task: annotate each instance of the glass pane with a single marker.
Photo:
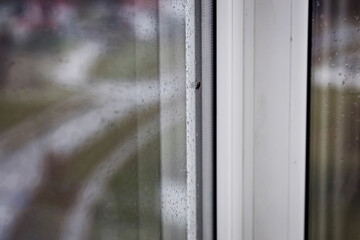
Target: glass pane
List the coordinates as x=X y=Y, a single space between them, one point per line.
x=93 y=119
x=334 y=204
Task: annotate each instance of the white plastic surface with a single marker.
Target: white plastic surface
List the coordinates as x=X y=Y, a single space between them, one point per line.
x=261 y=117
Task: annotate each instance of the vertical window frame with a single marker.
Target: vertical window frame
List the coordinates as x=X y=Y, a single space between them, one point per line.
x=239 y=184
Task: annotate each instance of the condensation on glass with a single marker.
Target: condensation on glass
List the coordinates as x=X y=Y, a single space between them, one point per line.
x=334 y=194
x=93 y=121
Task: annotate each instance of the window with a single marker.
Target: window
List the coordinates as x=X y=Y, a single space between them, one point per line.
x=287 y=134
x=334 y=211
x=101 y=119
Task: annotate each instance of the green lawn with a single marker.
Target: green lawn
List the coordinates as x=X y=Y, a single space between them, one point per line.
x=17 y=105
x=334 y=164
x=64 y=177
x=127 y=63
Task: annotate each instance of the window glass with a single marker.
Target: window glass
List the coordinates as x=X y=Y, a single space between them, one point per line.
x=92 y=119
x=334 y=197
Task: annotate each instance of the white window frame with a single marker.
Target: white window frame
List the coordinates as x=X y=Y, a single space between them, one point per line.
x=261 y=119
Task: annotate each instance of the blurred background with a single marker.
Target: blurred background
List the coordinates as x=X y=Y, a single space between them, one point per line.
x=92 y=119
x=334 y=207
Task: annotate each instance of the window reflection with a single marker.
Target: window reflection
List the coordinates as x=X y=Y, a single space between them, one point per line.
x=92 y=119
x=335 y=121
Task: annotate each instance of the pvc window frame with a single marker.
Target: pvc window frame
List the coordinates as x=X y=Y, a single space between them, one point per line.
x=261 y=105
